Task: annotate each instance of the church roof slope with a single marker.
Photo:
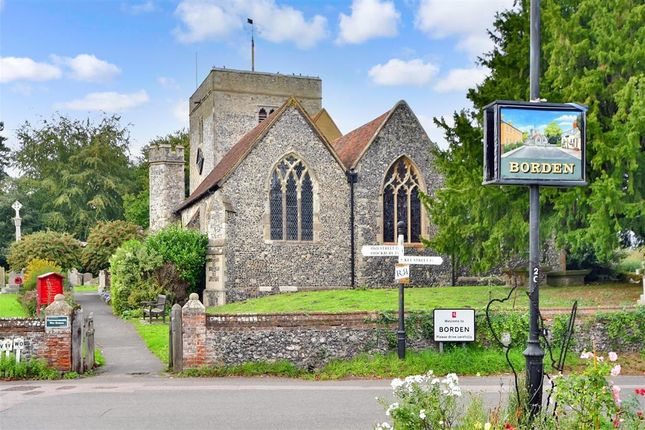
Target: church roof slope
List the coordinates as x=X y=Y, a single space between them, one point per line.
x=351 y=146
x=240 y=150
x=326 y=125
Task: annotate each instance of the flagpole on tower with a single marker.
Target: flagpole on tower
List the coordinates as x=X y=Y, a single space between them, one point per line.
x=250 y=21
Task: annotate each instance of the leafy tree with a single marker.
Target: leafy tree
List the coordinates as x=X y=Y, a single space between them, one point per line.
x=59 y=248
x=4 y=156
x=553 y=132
x=78 y=171
x=13 y=189
x=586 y=58
x=104 y=238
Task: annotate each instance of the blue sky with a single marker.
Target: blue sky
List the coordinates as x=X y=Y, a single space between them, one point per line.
x=526 y=120
x=137 y=58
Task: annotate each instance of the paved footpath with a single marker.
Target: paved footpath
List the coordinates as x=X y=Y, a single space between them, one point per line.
x=123 y=349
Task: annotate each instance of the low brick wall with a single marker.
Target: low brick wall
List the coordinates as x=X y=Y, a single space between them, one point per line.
x=310 y=340
x=54 y=345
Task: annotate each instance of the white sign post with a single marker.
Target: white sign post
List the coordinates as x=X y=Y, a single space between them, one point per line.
x=18 y=345
x=7 y=346
x=401 y=274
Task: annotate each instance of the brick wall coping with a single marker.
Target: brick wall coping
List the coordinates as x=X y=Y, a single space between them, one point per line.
x=314 y=319
x=6 y=324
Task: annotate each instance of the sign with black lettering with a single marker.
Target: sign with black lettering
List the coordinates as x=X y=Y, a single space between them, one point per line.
x=534 y=144
x=454 y=325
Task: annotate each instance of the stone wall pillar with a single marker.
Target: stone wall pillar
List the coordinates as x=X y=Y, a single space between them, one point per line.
x=58 y=334
x=193 y=318
x=166 y=176
x=215 y=291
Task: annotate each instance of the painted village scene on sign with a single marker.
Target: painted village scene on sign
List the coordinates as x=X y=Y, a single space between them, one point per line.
x=305 y=215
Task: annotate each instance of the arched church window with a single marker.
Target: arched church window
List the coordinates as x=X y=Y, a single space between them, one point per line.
x=291 y=201
x=262 y=115
x=401 y=201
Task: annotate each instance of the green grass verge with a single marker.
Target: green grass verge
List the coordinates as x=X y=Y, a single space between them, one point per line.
x=462 y=361
x=155 y=337
x=10 y=307
x=86 y=289
x=424 y=299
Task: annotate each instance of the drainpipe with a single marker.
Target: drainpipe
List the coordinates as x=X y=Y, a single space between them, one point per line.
x=352 y=178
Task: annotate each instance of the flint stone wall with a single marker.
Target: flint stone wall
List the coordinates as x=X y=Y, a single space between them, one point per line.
x=166 y=181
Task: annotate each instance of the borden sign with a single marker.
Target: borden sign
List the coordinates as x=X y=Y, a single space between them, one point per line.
x=454 y=325
x=534 y=144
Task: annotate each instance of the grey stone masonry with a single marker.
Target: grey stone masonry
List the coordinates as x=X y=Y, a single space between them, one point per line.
x=227 y=104
x=401 y=135
x=166 y=178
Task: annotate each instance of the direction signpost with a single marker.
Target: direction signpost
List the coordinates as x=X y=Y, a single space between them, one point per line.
x=401 y=275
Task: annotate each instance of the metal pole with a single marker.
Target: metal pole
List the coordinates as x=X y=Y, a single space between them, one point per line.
x=252 y=50
x=400 y=334
x=534 y=354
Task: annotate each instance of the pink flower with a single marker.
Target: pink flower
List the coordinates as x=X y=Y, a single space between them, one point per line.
x=615 y=391
x=586 y=355
x=615 y=371
x=613 y=356
x=600 y=358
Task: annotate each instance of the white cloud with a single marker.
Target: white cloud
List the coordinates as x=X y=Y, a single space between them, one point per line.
x=180 y=112
x=399 y=72
x=217 y=20
x=466 y=19
x=167 y=82
x=566 y=118
x=107 y=101
x=461 y=79
x=369 y=19
x=26 y=69
x=86 y=67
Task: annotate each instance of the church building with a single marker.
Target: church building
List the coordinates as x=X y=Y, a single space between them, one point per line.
x=286 y=200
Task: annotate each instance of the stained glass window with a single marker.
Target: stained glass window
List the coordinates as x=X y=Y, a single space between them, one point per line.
x=291 y=201
x=401 y=202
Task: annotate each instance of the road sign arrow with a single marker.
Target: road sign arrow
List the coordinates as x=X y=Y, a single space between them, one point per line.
x=381 y=250
x=417 y=259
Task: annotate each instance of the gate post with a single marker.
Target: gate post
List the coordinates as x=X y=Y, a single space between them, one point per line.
x=77 y=341
x=176 y=359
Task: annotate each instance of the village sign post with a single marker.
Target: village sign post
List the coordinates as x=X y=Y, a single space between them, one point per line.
x=534 y=144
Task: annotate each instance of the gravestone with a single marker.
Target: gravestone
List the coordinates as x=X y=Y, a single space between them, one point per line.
x=87 y=278
x=103 y=281
x=74 y=278
x=15 y=281
x=2 y=277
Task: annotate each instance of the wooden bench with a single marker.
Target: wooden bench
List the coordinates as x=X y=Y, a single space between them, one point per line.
x=155 y=308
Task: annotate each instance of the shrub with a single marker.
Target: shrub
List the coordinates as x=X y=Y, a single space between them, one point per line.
x=34 y=269
x=32 y=369
x=131 y=267
x=186 y=249
x=103 y=240
x=28 y=302
x=60 y=248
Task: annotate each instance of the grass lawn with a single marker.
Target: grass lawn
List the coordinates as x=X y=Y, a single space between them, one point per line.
x=10 y=307
x=86 y=289
x=425 y=299
x=155 y=336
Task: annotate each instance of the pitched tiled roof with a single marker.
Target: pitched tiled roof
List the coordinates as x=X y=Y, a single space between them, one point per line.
x=351 y=146
x=231 y=159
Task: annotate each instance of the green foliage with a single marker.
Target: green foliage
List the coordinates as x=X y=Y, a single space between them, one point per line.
x=76 y=172
x=34 y=269
x=622 y=328
x=104 y=238
x=4 y=156
x=136 y=208
x=28 y=301
x=131 y=266
x=32 y=369
x=280 y=368
x=60 y=248
x=185 y=248
x=155 y=337
x=588 y=59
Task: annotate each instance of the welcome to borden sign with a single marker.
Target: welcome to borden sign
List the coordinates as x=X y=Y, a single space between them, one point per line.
x=534 y=144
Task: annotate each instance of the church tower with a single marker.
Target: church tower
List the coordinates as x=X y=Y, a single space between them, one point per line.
x=166 y=184
x=229 y=103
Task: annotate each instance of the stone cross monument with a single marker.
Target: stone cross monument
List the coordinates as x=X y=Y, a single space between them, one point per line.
x=17 y=220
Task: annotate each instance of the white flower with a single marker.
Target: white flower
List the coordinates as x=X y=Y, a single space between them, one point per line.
x=391 y=408
x=440 y=423
x=396 y=383
x=600 y=358
x=384 y=426
x=422 y=414
x=615 y=371
x=487 y=426
x=586 y=355
x=613 y=356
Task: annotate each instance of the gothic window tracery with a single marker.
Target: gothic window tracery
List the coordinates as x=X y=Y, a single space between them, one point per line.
x=291 y=201
x=401 y=201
